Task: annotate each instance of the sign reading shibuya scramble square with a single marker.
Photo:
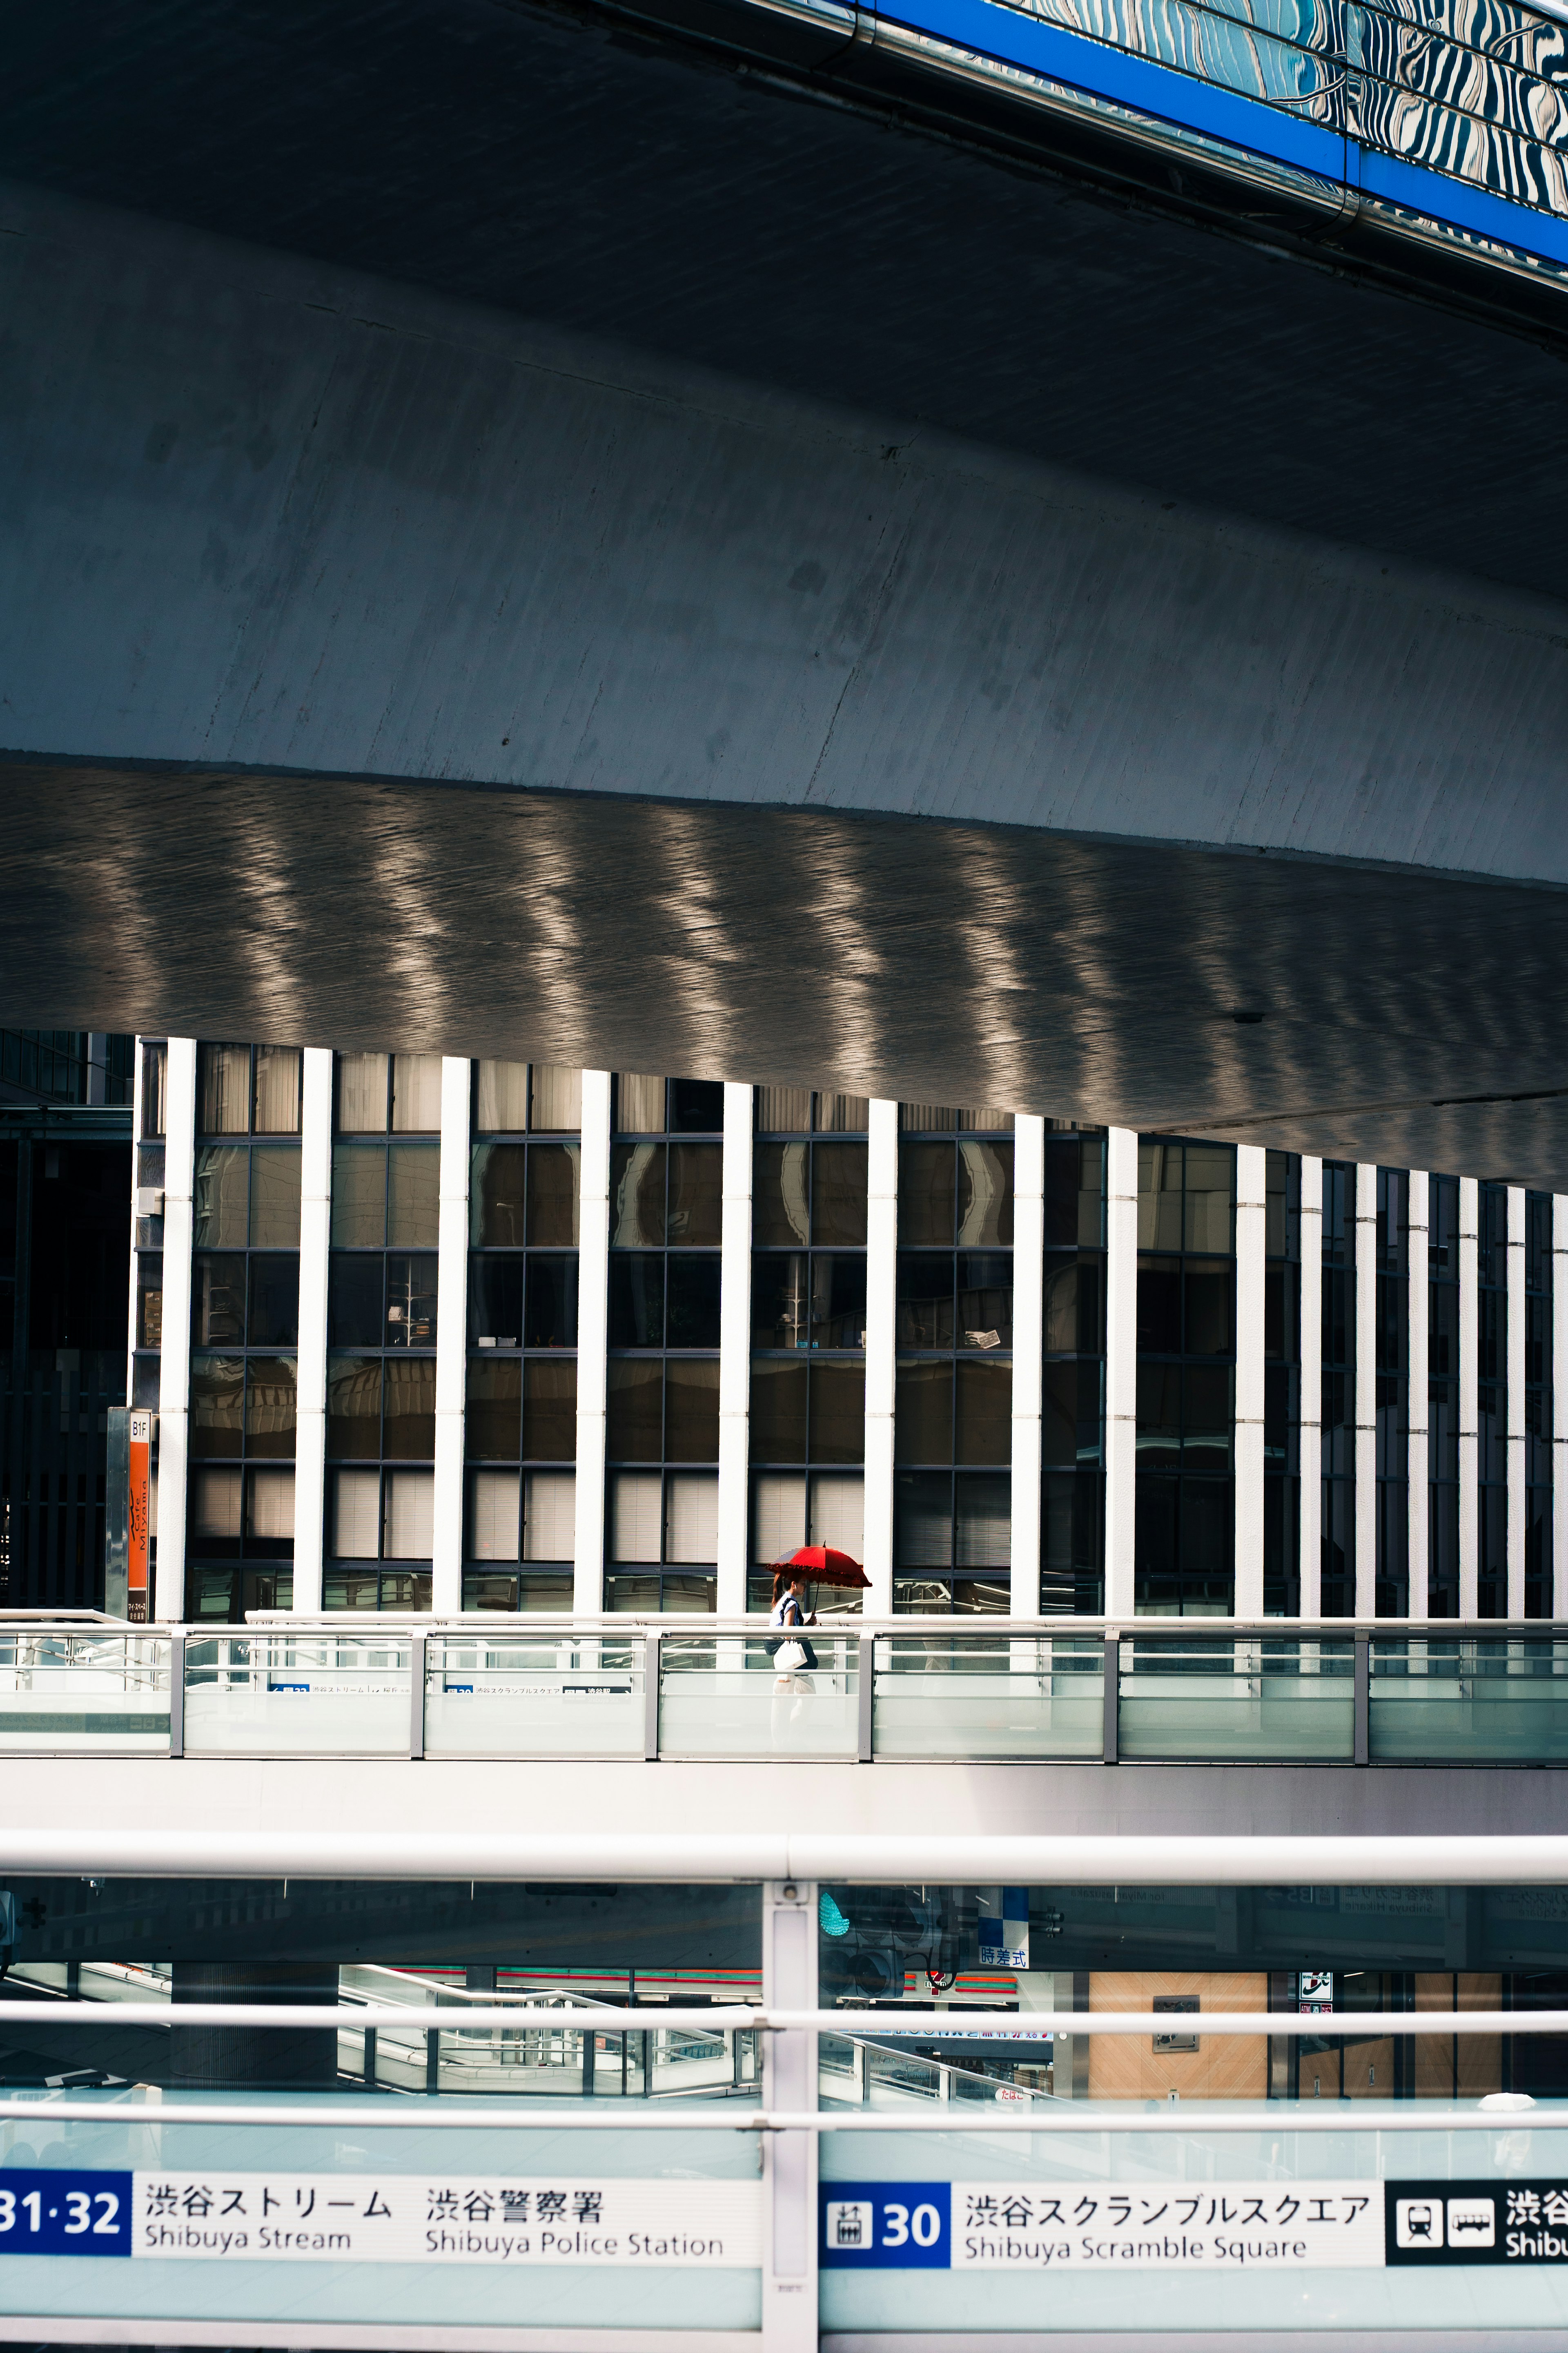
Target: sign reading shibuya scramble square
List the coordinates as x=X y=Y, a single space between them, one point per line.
x=342 y=2218
x=1077 y=2226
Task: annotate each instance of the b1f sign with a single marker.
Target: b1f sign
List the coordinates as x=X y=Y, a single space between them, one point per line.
x=138 y=1526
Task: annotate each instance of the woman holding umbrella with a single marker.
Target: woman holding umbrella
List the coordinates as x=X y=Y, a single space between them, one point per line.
x=788 y=1616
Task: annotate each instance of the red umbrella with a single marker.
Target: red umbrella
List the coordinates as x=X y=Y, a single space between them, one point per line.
x=821 y=1566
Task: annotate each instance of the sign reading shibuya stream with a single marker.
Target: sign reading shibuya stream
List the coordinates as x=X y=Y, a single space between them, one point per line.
x=385 y=2218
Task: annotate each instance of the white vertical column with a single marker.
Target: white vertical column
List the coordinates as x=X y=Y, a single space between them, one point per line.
x=1028 y=1355
x=1120 y=1365
x=592 y=1325
x=1560 y=1404
x=1366 y=1391
x=451 y=1336
x=1311 y=1442
x=1515 y=1361
x=790 y=2084
x=1417 y=1381
x=174 y=1370
x=881 y=1363
x=734 y=1352
x=1469 y=1376
x=315 y=1244
x=1251 y=1256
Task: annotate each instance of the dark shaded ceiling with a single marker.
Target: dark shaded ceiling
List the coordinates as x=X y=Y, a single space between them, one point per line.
x=808 y=233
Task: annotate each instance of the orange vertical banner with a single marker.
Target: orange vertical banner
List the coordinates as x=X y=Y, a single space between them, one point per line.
x=138 y=1520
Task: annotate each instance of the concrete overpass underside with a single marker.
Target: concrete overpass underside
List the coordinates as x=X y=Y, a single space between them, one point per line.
x=527 y=532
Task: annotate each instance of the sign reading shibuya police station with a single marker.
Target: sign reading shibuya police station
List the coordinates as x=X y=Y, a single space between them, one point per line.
x=385 y=2218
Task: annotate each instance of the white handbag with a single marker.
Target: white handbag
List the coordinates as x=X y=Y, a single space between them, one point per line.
x=789 y=1656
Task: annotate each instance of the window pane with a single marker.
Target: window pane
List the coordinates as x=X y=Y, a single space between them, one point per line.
x=149 y=1300
x=1159 y=1197
x=778 y=1410
x=216 y=1500
x=843 y=1115
x=549 y=1411
x=356 y=1514
x=275 y=1302
x=270 y=1407
x=637 y=1195
x=692 y=1302
x=1159 y=1417
x=916 y=1119
x=416 y=1094
x=269 y=1505
x=838 y=1193
x=492 y=1427
x=497 y=1178
x=639 y=1106
x=985 y=1121
x=494 y=1524
x=359 y=1196
x=410 y=1515
x=923 y=1413
x=691 y=1410
x=1206 y=1416
x=354 y=1406
x=414 y=1196
x=637 y=1507
x=1061 y=1306
x=550 y=1519
x=221 y=1183
x=551 y=1321
x=691 y=1518
x=278 y=1091
x=982 y=1510
x=362 y=1094
x=1208 y=1291
x=637 y=1300
x=410 y=1422
x=410 y=1301
x=1059 y=1417
x=784 y=1111
x=838 y=1413
x=781 y=1210
x=922 y=1519
x=223 y=1092
x=924 y=1279
x=275 y=1196
x=696 y=1196
x=495 y=1302
x=501 y=1104
x=984 y=1194
x=839 y=1300
x=778 y=1513
x=781 y=1304
x=217 y=1400
x=986 y=1300
x=217 y=1302
x=557 y=1101
x=1211 y=1189
x=984 y=1422
x=696 y=1107
x=838 y=1514
x=354 y=1301
x=154 y=1088
x=928 y=1177
x=635 y=1403
x=1158 y=1306
x=553 y=1194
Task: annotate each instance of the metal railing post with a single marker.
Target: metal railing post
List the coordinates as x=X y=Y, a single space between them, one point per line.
x=176 y=1694
x=416 y=1697
x=866 y=1646
x=1362 y=1751
x=650 y=1698
x=1111 y=1752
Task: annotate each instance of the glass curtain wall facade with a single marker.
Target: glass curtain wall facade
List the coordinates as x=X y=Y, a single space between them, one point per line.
x=952 y=1427
x=1339 y=1385
x=1183 y=1539
x=807 y=1432
x=1282 y=1386
x=1392 y=1377
x=519 y=1420
x=245 y=1332
x=1072 y=1433
x=382 y=1311
x=499 y=1515
x=667 y=1177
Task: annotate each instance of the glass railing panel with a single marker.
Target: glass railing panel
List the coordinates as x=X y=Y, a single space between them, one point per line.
x=985 y=1695
x=100 y=1693
x=1469 y=1700
x=1253 y=1699
x=722 y=1695
x=533 y=1696
x=535 y=2059
x=309 y=1693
